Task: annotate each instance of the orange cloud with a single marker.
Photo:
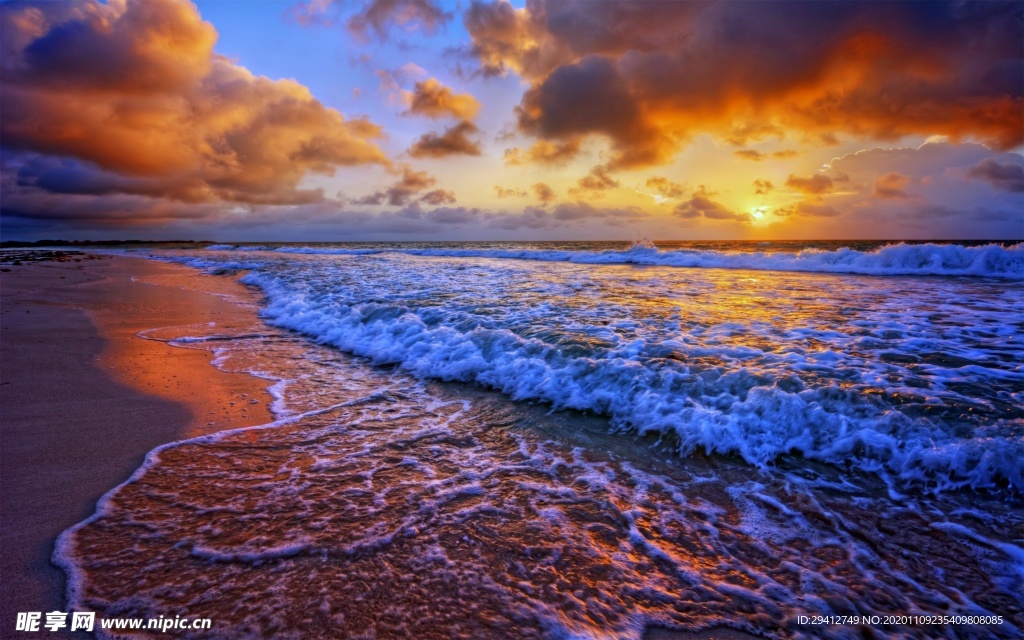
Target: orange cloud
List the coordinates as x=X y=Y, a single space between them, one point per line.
x=649 y=76
x=502 y=192
x=809 y=209
x=379 y=15
x=454 y=141
x=701 y=205
x=757 y=156
x=665 y=187
x=750 y=154
x=406 y=188
x=544 y=193
x=596 y=181
x=544 y=152
x=438 y=197
x=135 y=89
x=434 y=100
x=890 y=186
x=926 y=191
x=817 y=184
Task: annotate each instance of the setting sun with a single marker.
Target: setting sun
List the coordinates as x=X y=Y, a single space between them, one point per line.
x=512 y=319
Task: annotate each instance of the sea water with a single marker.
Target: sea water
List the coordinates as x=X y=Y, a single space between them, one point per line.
x=592 y=440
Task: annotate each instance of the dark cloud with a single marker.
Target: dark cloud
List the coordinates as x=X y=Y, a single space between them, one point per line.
x=438 y=197
x=530 y=218
x=502 y=192
x=571 y=211
x=535 y=40
x=453 y=215
x=118 y=215
x=890 y=186
x=115 y=211
x=700 y=204
x=404 y=190
x=454 y=141
x=379 y=16
x=817 y=184
x=931 y=160
x=592 y=96
x=377 y=198
x=500 y=35
x=566 y=214
x=70 y=176
x=917 y=192
x=648 y=76
x=809 y=209
x=90 y=47
x=762 y=187
x=412 y=182
x=1007 y=177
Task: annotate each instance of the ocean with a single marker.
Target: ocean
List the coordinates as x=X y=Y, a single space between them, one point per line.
x=592 y=440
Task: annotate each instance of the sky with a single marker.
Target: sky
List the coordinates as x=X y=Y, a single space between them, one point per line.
x=489 y=120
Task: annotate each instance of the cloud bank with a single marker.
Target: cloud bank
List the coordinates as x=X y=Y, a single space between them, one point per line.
x=131 y=99
x=648 y=76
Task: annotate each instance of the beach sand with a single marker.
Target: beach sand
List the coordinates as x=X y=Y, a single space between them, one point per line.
x=83 y=398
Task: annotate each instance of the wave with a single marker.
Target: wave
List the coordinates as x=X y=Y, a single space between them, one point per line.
x=743 y=412
x=237 y=247
x=990 y=261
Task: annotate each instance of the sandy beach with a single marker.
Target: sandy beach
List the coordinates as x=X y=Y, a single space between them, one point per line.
x=547 y=320
x=84 y=398
x=403 y=506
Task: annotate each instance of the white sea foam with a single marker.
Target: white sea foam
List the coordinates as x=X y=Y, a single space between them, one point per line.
x=383 y=506
x=726 y=414
x=993 y=260
x=915 y=379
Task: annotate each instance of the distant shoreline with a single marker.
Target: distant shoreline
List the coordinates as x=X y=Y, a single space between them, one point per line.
x=86 y=244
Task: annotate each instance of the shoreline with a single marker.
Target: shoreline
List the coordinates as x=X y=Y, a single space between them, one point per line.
x=85 y=398
x=115 y=299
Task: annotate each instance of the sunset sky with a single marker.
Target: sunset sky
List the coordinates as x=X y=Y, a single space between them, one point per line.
x=422 y=120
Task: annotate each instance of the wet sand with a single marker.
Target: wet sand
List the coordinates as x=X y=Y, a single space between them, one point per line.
x=83 y=399
x=313 y=504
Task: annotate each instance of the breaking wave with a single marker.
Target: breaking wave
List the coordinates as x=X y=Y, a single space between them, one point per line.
x=992 y=260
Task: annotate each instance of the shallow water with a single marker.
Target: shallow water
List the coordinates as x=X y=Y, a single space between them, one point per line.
x=731 y=447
